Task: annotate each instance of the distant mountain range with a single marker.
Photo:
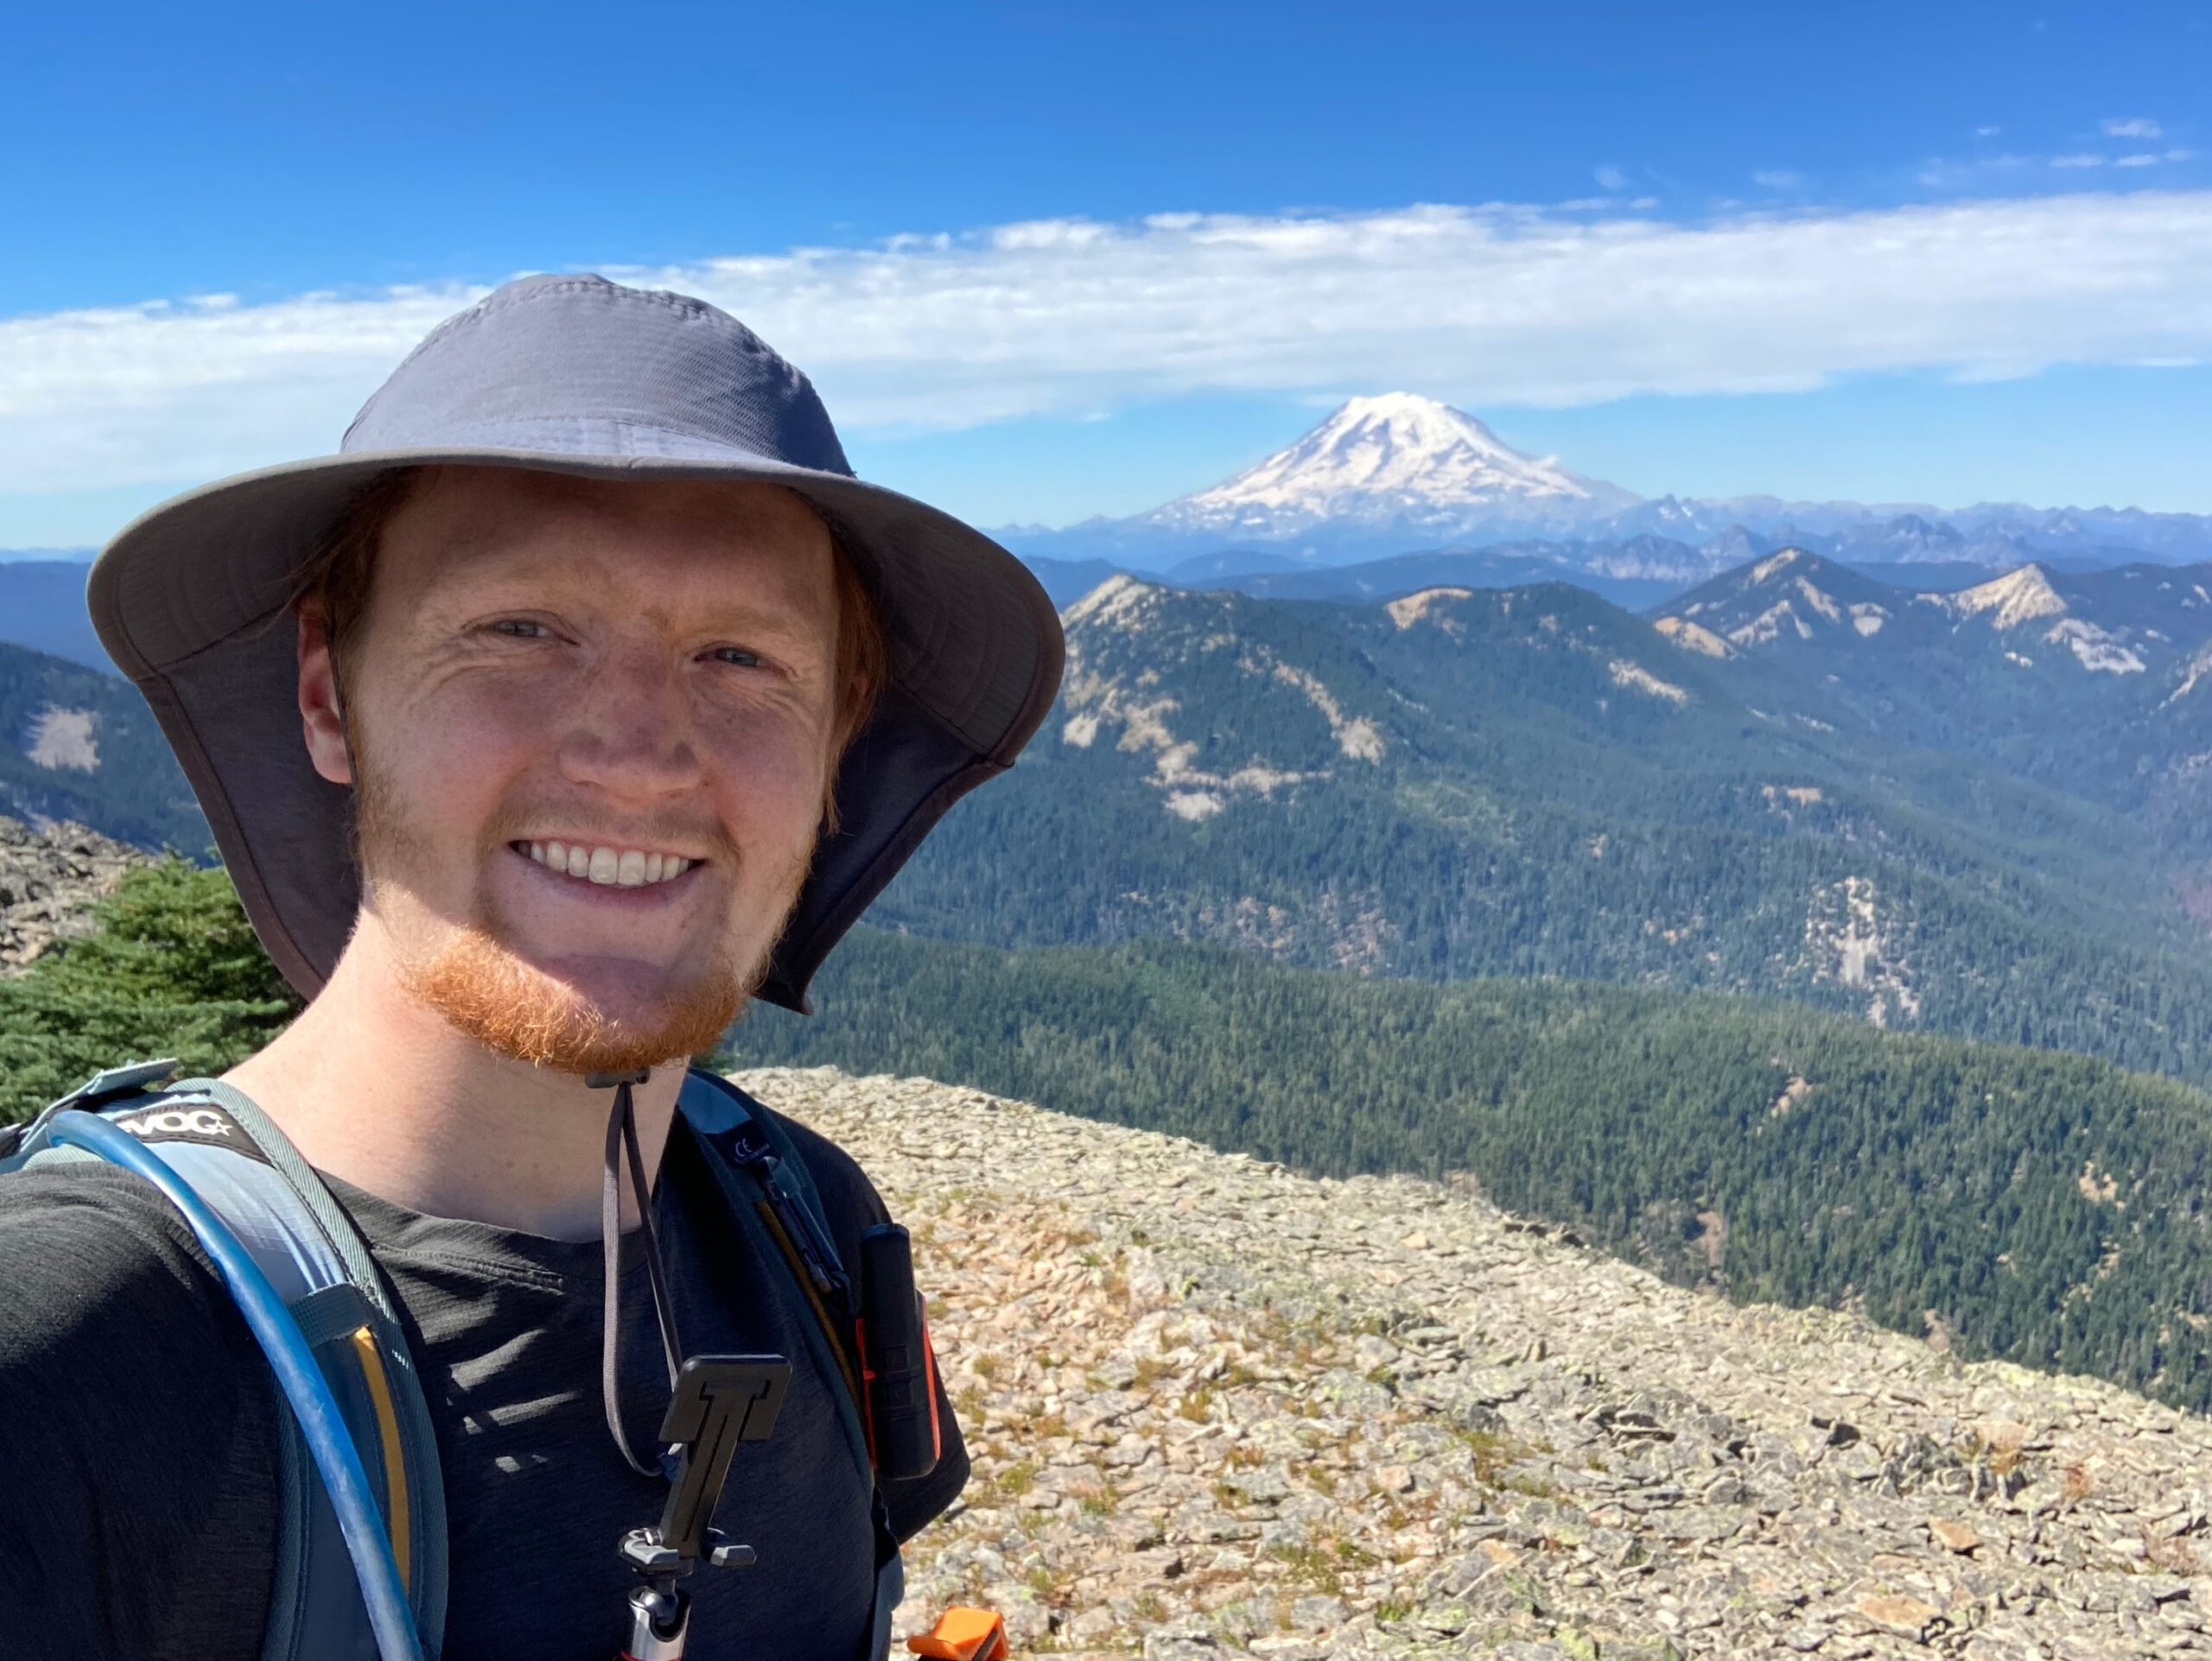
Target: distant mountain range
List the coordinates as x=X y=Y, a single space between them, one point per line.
x=42 y=607
x=1985 y=810
x=1975 y=811
x=2094 y=683
x=1399 y=473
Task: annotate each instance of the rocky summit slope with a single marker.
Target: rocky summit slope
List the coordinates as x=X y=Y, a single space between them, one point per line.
x=1217 y=1408
x=49 y=877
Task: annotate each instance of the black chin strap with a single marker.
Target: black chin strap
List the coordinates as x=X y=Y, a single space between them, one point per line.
x=621 y=1148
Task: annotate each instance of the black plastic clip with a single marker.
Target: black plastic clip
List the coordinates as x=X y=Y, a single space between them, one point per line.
x=719 y=1401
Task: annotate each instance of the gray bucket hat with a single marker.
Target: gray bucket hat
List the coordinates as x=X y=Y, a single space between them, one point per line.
x=574 y=375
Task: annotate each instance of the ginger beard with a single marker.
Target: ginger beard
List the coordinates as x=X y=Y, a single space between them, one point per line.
x=485 y=989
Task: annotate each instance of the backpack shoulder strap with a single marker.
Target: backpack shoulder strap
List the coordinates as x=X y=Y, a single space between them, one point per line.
x=237 y=1163
x=749 y=1136
x=765 y=1179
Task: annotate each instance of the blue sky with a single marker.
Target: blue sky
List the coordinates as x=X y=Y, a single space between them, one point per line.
x=1860 y=252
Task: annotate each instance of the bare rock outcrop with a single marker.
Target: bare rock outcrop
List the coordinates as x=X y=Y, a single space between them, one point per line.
x=49 y=876
x=1217 y=1408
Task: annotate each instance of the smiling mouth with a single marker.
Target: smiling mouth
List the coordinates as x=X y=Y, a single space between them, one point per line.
x=608 y=867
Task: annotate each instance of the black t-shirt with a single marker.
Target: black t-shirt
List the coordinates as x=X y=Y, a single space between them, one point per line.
x=138 y=1454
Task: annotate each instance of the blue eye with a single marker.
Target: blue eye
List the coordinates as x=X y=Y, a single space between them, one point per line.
x=737 y=657
x=520 y=629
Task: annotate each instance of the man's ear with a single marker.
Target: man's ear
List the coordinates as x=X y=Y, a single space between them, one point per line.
x=322 y=714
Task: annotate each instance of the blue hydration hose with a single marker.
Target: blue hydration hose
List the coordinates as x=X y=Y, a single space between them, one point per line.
x=328 y=1442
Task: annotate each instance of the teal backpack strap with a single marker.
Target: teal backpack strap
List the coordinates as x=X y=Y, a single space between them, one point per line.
x=232 y=1161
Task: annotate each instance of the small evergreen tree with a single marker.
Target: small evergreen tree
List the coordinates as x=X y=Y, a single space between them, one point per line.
x=172 y=968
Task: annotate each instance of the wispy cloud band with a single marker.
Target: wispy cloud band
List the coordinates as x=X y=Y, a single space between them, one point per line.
x=1494 y=305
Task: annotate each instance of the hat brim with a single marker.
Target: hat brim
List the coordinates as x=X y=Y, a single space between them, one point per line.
x=191 y=602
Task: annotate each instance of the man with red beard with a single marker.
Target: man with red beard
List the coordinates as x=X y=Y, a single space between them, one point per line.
x=582 y=697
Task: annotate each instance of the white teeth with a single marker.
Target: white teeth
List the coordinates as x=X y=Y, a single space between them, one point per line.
x=628 y=868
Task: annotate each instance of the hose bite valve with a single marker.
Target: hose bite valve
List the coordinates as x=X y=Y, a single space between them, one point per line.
x=719 y=1401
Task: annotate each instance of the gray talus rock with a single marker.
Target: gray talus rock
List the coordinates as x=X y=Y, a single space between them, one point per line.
x=1270 y=1423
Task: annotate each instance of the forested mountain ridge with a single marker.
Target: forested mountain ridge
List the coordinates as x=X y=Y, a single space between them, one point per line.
x=1468 y=781
x=2092 y=683
x=1532 y=782
x=2128 y=621
x=82 y=745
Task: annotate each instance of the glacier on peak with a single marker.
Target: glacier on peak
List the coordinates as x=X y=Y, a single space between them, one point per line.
x=1397 y=457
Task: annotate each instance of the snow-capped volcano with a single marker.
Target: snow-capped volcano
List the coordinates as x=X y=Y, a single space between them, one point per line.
x=1401 y=461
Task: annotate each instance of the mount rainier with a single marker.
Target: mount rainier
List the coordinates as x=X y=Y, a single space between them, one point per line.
x=1398 y=473
x=1395 y=462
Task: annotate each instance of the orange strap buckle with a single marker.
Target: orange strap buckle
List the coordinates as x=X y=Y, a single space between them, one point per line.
x=963 y=1634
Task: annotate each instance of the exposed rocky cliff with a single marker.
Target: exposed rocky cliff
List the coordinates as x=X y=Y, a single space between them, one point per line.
x=1217 y=1408
x=49 y=879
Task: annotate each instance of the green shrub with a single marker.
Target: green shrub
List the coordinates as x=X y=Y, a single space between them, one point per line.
x=171 y=969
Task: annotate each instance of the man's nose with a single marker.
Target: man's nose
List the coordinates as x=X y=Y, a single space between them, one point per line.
x=630 y=732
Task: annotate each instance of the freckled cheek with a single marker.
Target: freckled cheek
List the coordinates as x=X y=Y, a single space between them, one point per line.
x=768 y=779
x=466 y=747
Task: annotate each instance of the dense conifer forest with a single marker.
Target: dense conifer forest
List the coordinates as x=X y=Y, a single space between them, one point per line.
x=2047 y=1209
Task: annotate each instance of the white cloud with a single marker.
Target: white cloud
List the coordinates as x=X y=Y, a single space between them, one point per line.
x=2153 y=158
x=1611 y=178
x=1987 y=132
x=1777 y=179
x=2136 y=127
x=1498 y=305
